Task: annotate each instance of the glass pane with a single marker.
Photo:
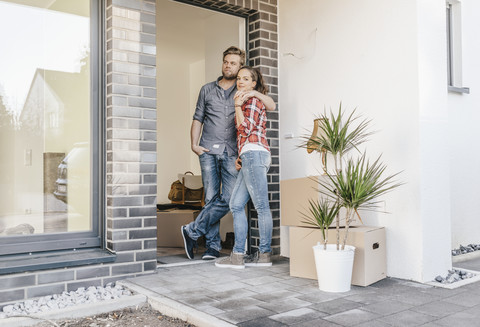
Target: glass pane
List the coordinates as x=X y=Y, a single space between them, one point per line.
x=44 y=117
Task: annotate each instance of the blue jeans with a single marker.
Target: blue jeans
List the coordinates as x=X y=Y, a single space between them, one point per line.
x=218 y=176
x=252 y=183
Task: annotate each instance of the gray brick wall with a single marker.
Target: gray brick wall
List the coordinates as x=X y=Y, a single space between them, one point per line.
x=131 y=133
x=263 y=54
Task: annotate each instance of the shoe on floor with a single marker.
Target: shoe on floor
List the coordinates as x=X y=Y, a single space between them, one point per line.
x=235 y=261
x=259 y=259
x=189 y=243
x=210 y=254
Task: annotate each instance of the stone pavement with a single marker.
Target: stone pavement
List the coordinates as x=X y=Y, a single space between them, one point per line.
x=270 y=297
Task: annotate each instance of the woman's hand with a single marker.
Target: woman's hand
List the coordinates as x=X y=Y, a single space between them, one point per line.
x=238 y=164
x=238 y=98
x=242 y=96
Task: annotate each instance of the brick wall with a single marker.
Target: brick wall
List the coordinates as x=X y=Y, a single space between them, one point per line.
x=131 y=133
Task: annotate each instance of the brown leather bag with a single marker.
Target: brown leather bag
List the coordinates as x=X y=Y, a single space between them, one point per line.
x=180 y=193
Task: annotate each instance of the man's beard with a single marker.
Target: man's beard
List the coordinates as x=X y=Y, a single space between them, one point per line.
x=229 y=77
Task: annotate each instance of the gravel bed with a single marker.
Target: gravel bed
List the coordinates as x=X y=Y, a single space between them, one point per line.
x=66 y=299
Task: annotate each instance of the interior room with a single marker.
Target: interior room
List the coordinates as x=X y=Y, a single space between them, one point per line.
x=190 y=42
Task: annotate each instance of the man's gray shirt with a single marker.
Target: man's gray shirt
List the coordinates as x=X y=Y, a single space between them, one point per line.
x=216 y=110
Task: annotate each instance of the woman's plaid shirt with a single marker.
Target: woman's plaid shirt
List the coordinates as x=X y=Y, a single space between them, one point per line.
x=254 y=127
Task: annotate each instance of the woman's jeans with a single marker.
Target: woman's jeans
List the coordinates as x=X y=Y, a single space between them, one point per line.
x=252 y=183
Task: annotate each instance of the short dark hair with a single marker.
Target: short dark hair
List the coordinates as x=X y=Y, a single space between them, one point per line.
x=260 y=85
x=236 y=51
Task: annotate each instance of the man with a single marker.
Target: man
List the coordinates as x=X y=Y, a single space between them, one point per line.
x=217 y=151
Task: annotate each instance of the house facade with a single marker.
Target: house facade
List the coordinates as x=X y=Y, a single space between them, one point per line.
x=97 y=222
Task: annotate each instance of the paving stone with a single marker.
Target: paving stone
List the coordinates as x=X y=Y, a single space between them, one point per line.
x=232 y=294
x=335 y=306
x=263 y=322
x=298 y=281
x=473 y=310
x=283 y=305
x=198 y=301
x=415 y=297
x=469 y=299
x=234 y=304
x=318 y=297
x=185 y=294
x=445 y=292
x=352 y=317
x=387 y=307
x=210 y=310
x=463 y=319
x=368 y=298
x=261 y=280
x=271 y=287
x=283 y=294
x=439 y=308
x=374 y=323
x=161 y=290
x=316 y=323
x=383 y=283
x=297 y=316
x=304 y=289
x=256 y=272
x=430 y=324
x=223 y=287
x=282 y=275
x=245 y=314
x=473 y=287
x=408 y=318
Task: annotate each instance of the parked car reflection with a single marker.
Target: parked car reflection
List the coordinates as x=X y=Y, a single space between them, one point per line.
x=73 y=172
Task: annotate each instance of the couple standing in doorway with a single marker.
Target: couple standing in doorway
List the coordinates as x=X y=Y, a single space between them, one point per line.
x=234 y=158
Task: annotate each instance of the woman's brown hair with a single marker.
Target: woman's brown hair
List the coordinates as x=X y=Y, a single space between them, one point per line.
x=257 y=77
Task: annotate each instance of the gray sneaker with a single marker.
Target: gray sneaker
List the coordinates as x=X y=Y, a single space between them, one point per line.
x=235 y=261
x=259 y=259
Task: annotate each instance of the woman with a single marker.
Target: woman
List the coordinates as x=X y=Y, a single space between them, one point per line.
x=254 y=161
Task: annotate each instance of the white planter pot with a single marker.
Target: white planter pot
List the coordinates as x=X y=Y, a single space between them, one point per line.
x=334 y=268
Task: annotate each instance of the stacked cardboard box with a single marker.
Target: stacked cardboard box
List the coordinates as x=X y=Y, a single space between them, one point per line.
x=369 y=265
x=168 y=226
x=370 y=256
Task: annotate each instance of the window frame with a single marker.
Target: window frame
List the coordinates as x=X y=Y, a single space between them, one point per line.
x=29 y=244
x=454 y=47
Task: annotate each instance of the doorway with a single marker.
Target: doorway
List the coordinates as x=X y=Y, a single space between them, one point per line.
x=190 y=42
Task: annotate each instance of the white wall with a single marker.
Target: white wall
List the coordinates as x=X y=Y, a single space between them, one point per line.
x=368 y=54
x=434 y=179
x=463 y=132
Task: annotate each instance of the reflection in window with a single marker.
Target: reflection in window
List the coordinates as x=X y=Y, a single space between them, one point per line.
x=44 y=117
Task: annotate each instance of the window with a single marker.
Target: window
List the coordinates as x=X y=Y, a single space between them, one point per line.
x=49 y=118
x=454 y=48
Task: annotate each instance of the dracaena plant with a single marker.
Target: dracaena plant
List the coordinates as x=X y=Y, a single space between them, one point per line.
x=355 y=188
x=337 y=135
x=321 y=214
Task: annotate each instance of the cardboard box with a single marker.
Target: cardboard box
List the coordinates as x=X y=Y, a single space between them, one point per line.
x=369 y=265
x=295 y=194
x=168 y=226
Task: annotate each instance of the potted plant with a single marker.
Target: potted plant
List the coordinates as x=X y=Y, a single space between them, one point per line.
x=344 y=192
